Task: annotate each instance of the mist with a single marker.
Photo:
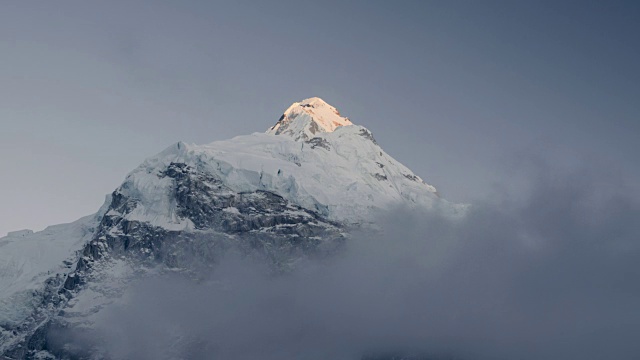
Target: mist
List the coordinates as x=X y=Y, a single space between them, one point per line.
x=547 y=273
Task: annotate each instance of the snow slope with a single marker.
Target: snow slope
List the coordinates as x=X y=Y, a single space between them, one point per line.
x=27 y=259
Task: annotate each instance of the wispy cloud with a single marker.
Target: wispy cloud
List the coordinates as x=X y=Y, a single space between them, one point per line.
x=553 y=276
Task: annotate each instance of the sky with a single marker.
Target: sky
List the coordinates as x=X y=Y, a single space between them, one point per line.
x=461 y=92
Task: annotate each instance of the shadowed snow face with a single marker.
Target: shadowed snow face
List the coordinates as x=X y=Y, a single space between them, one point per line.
x=550 y=277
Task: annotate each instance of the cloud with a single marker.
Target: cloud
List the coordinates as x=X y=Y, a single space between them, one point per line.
x=549 y=274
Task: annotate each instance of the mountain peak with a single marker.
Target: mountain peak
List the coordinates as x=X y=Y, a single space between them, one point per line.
x=304 y=119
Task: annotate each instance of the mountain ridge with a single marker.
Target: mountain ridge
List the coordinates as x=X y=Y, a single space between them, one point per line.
x=282 y=195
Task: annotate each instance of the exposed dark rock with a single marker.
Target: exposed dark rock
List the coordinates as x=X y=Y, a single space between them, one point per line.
x=367 y=134
x=319 y=142
x=411 y=177
x=313 y=128
x=258 y=223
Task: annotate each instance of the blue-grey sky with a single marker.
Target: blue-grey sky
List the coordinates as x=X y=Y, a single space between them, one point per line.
x=459 y=91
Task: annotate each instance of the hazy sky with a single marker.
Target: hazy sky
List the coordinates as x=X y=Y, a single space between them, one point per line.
x=458 y=91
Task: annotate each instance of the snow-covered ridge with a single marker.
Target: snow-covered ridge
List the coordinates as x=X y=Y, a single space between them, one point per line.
x=321 y=162
x=28 y=258
x=342 y=175
x=307 y=118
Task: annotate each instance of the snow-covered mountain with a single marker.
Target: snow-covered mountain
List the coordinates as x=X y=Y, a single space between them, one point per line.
x=294 y=191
